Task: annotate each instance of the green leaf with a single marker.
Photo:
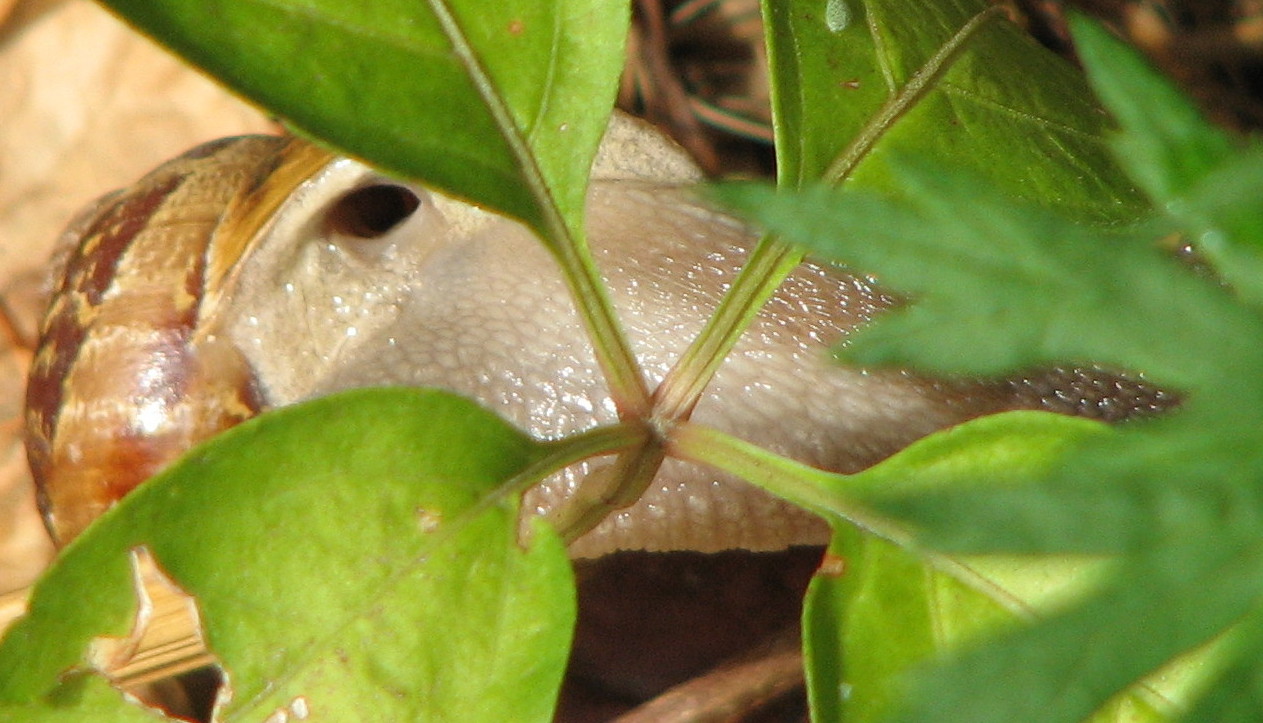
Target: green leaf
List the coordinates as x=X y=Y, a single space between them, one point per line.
x=886 y=614
x=1205 y=179
x=856 y=80
x=502 y=103
x=1179 y=479
x=880 y=608
x=855 y=83
x=1166 y=145
x=881 y=613
x=349 y=550
x=892 y=613
x=1001 y=285
x=1156 y=606
x=1236 y=693
x=81 y=698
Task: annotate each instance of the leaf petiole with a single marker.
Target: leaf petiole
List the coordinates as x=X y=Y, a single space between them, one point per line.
x=559 y=228
x=811 y=488
x=770 y=262
x=627 y=439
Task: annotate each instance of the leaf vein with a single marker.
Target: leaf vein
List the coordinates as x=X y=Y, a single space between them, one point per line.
x=882 y=53
x=1019 y=114
x=920 y=83
x=550 y=76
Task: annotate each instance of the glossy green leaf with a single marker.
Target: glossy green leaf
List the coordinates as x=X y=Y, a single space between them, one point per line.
x=887 y=614
x=502 y=103
x=1182 y=507
x=880 y=614
x=953 y=81
x=349 y=551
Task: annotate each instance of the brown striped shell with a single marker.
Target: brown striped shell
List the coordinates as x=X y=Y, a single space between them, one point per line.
x=127 y=374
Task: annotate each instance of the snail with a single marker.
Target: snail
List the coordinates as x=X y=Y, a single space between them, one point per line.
x=255 y=272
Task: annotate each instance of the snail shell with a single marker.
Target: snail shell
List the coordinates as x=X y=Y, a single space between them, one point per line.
x=283 y=275
x=119 y=379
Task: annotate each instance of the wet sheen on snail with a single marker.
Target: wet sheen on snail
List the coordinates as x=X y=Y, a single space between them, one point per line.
x=168 y=324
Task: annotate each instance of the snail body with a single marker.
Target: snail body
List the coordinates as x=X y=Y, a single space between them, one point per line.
x=349 y=278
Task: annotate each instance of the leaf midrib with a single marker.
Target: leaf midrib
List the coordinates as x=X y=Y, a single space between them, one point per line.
x=554 y=226
x=919 y=84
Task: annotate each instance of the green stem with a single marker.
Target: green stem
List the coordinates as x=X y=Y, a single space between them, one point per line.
x=818 y=491
x=640 y=453
x=613 y=353
x=770 y=262
x=559 y=454
x=609 y=489
x=566 y=241
x=803 y=485
x=906 y=98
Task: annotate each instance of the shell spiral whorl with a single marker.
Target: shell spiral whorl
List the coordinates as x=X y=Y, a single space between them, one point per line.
x=122 y=380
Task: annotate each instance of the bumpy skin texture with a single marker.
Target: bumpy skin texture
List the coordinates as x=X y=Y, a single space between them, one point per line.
x=458 y=298
x=359 y=280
